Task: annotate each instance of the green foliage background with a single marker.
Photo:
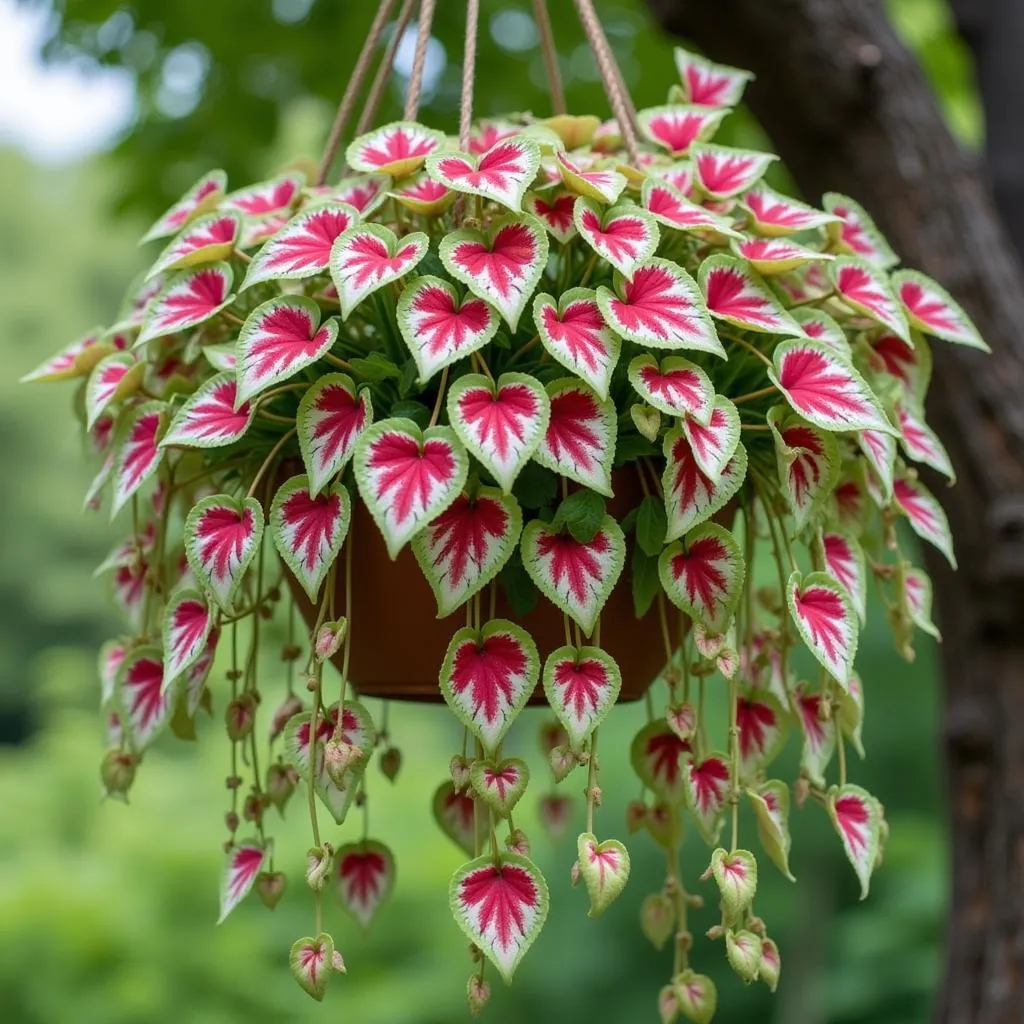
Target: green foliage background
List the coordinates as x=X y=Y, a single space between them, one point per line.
x=106 y=912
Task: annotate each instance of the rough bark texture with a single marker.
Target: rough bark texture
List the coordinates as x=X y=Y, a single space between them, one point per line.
x=849 y=110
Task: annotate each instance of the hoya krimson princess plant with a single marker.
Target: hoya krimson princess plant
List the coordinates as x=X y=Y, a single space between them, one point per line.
x=507 y=419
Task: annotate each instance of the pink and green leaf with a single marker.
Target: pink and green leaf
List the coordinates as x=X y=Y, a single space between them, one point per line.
x=826 y=619
x=331 y=418
x=880 y=450
x=423 y=196
x=736 y=294
x=575 y=334
x=203 y=196
x=245 y=861
x=773 y=214
x=222 y=537
x=866 y=289
x=145 y=703
x=735 y=874
x=930 y=308
x=921 y=443
x=455 y=814
x=844 y=562
x=370 y=256
x=690 y=496
x=925 y=515
x=808 y=462
x=191 y=298
x=623 y=236
x=554 y=209
x=211 y=418
x=582 y=685
x=266 y=198
x=398 y=149
x=659 y=758
x=114 y=379
x=187 y=622
x=856 y=233
x=601 y=184
x=500 y=785
x=363 y=192
x=722 y=172
x=777 y=255
x=365 y=878
x=917 y=591
x=111 y=656
x=771 y=807
x=819 y=733
x=762 y=727
x=856 y=817
x=503 y=173
x=604 y=868
x=311 y=962
x=75 y=360
x=674 y=386
x=707 y=790
x=206 y=240
x=703 y=575
x=696 y=996
x=137 y=454
x=675 y=128
x=670 y=208
x=820 y=327
x=714 y=443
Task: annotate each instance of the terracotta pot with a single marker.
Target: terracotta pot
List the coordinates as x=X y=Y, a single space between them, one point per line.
x=399 y=643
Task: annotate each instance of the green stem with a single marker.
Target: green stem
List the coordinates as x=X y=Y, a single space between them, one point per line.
x=591 y=782
x=267 y=461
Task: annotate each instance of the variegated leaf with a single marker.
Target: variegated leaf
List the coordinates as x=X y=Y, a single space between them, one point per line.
x=762 y=726
x=144 y=701
x=707 y=788
x=676 y=387
x=245 y=861
x=808 y=463
x=735 y=294
x=856 y=233
x=658 y=757
x=397 y=149
x=604 y=868
x=554 y=210
x=714 y=443
x=723 y=172
x=819 y=734
x=690 y=495
x=866 y=289
x=925 y=514
x=844 y=562
x=503 y=173
x=777 y=255
x=774 y=214
x=856 y=817
x=677 y=127
x=708 y=84
x=672 y=209
x=114 y=379
x=370 y=256
x=500 y=785
x=212 y=418
x=266 y=198
x=365 y=878
x=921 y=443
x=582 y=685
x=455 y=814
x=601 y=184
x=331 y=418
x=771 y=806
x=191 y=298
x=574 y=333
x=204 y=195
x=826 y=620
x=205 y=240
x=188 y=620
x=933 y=310
x=703 y=575
x=137 y=454
x=623 y=235
x=222 y=536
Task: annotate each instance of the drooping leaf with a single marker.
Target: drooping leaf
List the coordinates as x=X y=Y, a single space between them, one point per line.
x=187 y=622
x=819 y=734
x=774 y=214
x=302 y=248
x=602 y=184
x=743 y=951
x=279 y=338
x=455 y=814
x=674 y=386
x=773 y=256
x=714 y=443
x=808 y=464
x=574 y=332
x=736 y=876
x=697 y=996
x=502 y=423
x=582 y=685
x=397 y=149
x=440 y=326
x=115 y=378
x=74 y=360
x=266 y=198
x=137 y=454
x=826 y=620
x=369 y=256
x=204 y=195
x=735 y=294
x=672 y=209
x=503 y=173
x=910 y=363
x=844 y=562
x=677 y=127
x=604 y=868
x=856 y=817
x=707 y=788
x=500 y=785
x=703 y=575
x=771 y=806
x=408 y=476
x=576 y=577
x=762 y=727
x=921 y=443
x=662 y=307
x=690 y=495
x=244 y=863
x=488 y=676
x=109 y=661
x=554 y=210
x=205 y=240
x=222 y=536
x=465 y=547
x=363 y=192
x=191 y=298
x=623 y=235
x=925 y=515
x=822 y=328
x=917 y=588
x=211 y=418
x=311 y=962
x=933 y=310
x=365 y=878
x=658 y=757
x=501 y=905
x=723 y=172
x=423 y=195
x=308 y=532
x=825 y=388
x=856 y=233
x=502 y=265
x=880 y=450
x=867 y=290
x=331 y=418
x=145 y=704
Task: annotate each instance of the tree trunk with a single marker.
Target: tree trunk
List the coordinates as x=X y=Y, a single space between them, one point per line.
x=849 y=109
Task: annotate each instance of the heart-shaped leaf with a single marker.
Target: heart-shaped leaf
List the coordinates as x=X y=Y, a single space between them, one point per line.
x=690 y=495
x=145 y=703
x=244 y=863
x=574 y=332
x=191 y=298
x=115 y=378
x=708 y=84
x=502 y=423
x=503 y=173
x=582 y=685
x=723 y=172
x=279 y=338
x=440 y=326
x=743 y=951
x=330 y=420
x=774 y=214
x=808 y=464
x=925 y=514
x=933 y=310
x=576 y=577
x=467 y=545
x=488 y=676
x=672 y=209
x=826 y=620
x=819 y=734
x=822 y=328
x=212 y=418
x=707 y=789
x=604 y=868
x=187 y=622
x=867 y=290
x=311 y=961
x=554 y=210
x=715 y=442
x=501 y=905
x=735 y=294
x=844 y=562
x=921 y=443
x=697 y=997
x=205 y=240
x=910 y=363
x=370 y=256
x=736 y=876
x=579 y=442
x=407 y=477
x=455 y=814
x=771 y=806
x=222 y=536
x=675 y=386
x=500 y=785
x=603 y=185
x=825 y=388
x=703 y=575
x=777 y=255
x=137 y=454
x=204 y=195
x=856 y=232
x=856 y=817
x=501 y=266
x=623 y=236
x=762 y=727
x=365 y=878
x=661 y=307
x=363 y=192
x=917 y=589
x=397 y=149
x=658 y=758
x=676 y=127
x=308 y=532
x=302 y=248
x=265 y=197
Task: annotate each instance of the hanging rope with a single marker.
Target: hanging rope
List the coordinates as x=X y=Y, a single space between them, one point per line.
x=387 y=63
x=613 y=84
x=355 y=83
x=412 y=98
x=550 y=53
x=468 y=73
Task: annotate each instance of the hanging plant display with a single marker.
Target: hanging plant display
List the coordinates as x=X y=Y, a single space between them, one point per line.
x=582 y=412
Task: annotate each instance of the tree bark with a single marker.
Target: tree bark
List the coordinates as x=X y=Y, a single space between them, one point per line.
x=849 y=110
